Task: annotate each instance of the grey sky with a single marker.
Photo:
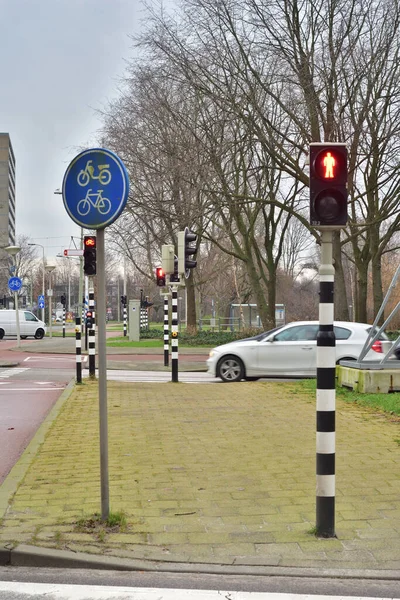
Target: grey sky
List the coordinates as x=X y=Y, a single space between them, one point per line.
x=60 y=60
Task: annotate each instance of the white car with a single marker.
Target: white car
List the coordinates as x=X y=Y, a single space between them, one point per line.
x=290 y=351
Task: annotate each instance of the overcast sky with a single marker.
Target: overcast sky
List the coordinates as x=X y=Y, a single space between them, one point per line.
x=59 y=61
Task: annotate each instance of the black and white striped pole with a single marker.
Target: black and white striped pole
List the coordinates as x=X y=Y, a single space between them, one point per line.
x=78 y=349
x=328 y=213
x=125 y=317
x=91 y=331
x=326 y=394
x=63 y=327
x=166 y=330
x=174 y=335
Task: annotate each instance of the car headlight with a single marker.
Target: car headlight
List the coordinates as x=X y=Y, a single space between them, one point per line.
x=212 y=353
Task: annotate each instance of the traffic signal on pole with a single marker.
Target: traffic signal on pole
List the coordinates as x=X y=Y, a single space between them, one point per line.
x=123 y=300
x=89 y=318
x=160 y=276
x=63 y=300
x=89 y=254
x=328 y=185
x=186 y=239
x=174 y=277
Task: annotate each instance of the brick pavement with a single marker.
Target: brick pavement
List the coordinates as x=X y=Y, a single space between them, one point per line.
x=221 y=474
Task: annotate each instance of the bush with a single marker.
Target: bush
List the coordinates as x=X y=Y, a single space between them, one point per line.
x=393 y=335
x=202 y=338
x=215 y=338
x=151 y=334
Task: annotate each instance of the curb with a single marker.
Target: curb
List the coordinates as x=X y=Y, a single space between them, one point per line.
x=17 y=473
x=33 y=556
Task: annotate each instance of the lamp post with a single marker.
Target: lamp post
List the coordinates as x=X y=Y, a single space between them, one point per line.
x=49 y=269
x=44 y=266
x=13 y=251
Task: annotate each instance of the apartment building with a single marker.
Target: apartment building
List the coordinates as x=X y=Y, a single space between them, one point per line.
x=7 y=192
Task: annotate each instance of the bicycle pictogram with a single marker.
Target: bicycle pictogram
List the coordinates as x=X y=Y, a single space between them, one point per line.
x=103 y=205
x=86 y=174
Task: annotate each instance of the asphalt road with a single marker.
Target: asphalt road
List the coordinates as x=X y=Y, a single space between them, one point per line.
x=273 y=584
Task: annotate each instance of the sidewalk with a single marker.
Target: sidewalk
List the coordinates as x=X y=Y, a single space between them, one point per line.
x=208 y=475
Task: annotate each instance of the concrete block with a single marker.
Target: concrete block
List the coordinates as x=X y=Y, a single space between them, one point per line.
x=367 y=381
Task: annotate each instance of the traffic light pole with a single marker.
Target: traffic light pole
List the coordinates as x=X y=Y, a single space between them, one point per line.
x=103 y=418
x=92 y=332
x=326 y=395
x=174 y=333
x=125 y=317
x=166 y=329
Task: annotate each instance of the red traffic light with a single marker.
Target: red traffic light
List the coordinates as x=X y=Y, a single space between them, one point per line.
x=160 y=276
x=330 y=165
x=328 y=185
x=89 y=241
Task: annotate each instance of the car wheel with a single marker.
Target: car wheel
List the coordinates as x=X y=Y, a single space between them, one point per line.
x=1 y=334
x=251 y=378
x=345 y=358
x=230 y=369
x=23 y=337
x=39 y=334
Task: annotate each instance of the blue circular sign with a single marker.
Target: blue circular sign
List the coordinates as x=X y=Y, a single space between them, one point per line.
x=15 y=284
x=95 y=188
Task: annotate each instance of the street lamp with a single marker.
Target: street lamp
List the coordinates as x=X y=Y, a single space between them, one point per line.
x=44 y=266
x=13 y=251
x=49 y=269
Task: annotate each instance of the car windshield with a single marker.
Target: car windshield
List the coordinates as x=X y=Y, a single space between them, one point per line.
x=265 y=334
x=260 y=336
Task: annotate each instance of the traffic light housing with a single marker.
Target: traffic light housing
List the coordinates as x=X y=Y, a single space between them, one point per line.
x=89 y=318
x=174 y=277
x=89 y=254
x=123 y=300
x=63 y=300
x=167 y=258
x=185 y=250
x=328 y=185
x=160 y=277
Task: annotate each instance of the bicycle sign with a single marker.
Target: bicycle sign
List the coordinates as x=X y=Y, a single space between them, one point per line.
x=15 y=284
x=103 y=205
x=95 y=188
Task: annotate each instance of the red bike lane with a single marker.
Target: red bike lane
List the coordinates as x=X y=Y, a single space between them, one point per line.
x=25 y=399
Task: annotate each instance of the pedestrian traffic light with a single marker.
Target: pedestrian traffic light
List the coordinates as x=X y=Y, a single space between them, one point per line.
x=63 y=300
x=328 y=185
x=89 y=254
x=185 y=250
x=160 y=276
x=123 y=300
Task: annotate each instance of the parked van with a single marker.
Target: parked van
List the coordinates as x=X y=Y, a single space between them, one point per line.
x=28 y=324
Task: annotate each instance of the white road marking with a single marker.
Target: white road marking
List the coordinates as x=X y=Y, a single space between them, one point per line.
x=41 y=358
x=13 y=371
x=96 y=592
x=68 y=357
x=156 y=376
x=8 y=390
